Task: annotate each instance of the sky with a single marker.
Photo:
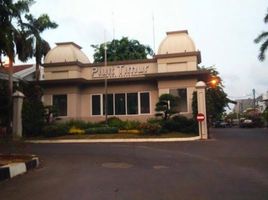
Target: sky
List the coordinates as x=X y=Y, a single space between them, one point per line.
x=223 y=30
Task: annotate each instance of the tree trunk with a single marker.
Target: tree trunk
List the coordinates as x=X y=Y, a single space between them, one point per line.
x=10 y=93
x=37 y=73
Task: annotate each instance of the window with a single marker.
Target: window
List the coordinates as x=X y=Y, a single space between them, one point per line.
x=110 y=104
x=144 y=102
x=96 y=102
x=120 y=104
x=181 y=96
x=132 y=103
x=60 y=102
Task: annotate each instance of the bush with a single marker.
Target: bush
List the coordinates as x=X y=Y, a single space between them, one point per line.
x=101 y=130
x=55 y=130
x=150 y=128
x=76 y=131
x=120 y=124
x=155 y=121
x=33 y=119
x=116 y=122
x=180 y=124
x=80 y=124
x=130 y=125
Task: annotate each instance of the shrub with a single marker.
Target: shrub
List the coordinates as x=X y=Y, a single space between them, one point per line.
x=129 y=125
x=101 y=130
x=155 y=121
x=115 y=122
x=180 y=124
x=57 y=129
x=32 y=117
x=76 y=131
x=131 y=131
x=171 y=125
x=80 y=124
x=150 y=128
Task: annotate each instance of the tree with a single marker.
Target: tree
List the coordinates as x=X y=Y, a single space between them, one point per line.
x=263 y=37
x=216 y=98
x=40 y=46
x=166 y=105
x=265 y=116
x=124 y=49
x=20 y=36
x=13 y=40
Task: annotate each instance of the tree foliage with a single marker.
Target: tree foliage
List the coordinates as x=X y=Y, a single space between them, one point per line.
x=13 y=38
x=166 y=105
x=124 y=49
x=3 y=103
x=21 y=32
x=216 y=98
x=20 y=36
x=40 y=47
x=263 y=37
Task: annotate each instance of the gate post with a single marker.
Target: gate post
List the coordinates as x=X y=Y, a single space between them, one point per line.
x=17 y=109
x=201 y=107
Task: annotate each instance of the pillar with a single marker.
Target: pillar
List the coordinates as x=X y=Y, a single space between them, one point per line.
x=17 y=108
x=201 y=107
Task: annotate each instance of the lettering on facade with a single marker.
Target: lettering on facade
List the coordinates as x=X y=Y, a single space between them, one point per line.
x=120 y=71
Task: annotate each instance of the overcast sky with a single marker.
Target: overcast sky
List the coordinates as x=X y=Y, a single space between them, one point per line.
x=223 y=30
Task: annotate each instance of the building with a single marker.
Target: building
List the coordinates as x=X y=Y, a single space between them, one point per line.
x=25 y=72
x=242 y=105
x=262 y=102
x=76 y=86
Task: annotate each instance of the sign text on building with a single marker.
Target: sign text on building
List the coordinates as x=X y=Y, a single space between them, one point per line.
x=120 y=71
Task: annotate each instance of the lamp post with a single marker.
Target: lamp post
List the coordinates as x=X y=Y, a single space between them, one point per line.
x=105 y=84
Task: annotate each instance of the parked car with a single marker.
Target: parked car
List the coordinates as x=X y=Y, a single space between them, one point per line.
x=221 y=124
x=247 y=123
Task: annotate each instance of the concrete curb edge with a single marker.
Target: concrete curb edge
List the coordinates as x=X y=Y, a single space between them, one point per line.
x=57 y=141
x=17 y=168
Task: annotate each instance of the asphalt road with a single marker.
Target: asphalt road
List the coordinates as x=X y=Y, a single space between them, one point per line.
x=232 y=165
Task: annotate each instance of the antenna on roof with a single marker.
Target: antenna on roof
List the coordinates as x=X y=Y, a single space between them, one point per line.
x=153 y=32
x=113 y=24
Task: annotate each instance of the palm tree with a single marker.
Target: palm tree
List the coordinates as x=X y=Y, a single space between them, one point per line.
x=12 y=39
x=263 y=37
x=40 y=46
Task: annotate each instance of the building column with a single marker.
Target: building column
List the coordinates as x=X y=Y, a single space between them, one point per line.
x=201 y=107
x=17 y=120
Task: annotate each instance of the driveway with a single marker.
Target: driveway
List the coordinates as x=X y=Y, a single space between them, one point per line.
x=232 y=165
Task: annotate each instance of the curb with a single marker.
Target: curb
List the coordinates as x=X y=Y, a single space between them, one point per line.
x=113 y=140
x=14 y=169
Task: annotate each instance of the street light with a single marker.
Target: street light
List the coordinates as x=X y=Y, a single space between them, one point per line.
x=105 y=83
x=214 y=81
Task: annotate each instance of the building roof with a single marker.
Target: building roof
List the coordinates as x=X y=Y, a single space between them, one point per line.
x=66 y=52
x=5 y=76
x=18 y=68
x=176 y=42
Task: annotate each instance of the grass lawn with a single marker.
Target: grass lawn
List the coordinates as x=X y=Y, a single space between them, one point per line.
x=124 y=136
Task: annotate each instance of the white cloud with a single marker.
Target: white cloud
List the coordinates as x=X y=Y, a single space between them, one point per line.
x=223 y=30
